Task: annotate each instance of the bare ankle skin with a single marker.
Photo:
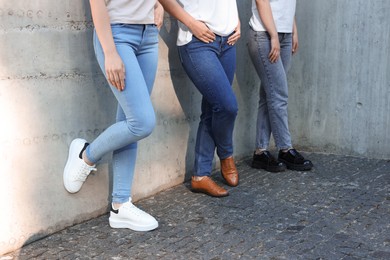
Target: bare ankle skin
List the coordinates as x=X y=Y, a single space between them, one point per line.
x=116 y=205
x=86 y=159
x=198 y=178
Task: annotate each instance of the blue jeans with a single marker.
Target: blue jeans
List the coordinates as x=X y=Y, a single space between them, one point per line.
x=211 y=68
x=137 y=45
x=272 y=114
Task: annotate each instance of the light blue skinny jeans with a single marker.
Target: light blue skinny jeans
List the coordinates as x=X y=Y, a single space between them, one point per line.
x=137 y=45
x=272 y=114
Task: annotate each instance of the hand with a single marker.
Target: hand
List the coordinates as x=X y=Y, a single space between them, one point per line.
x=275 y=49
x=295 y=45
x=158 y=15
x=235 y=36
x=115 y=70
x=295 y=38
x=202 y=32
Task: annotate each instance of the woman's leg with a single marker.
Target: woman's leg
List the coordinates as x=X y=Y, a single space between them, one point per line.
x=219 y=108
x=205 y=144
x=272 y=113
x=124 y=159
x=135 y=116
x=123 y=164
x=263 y=126
x=291 y=157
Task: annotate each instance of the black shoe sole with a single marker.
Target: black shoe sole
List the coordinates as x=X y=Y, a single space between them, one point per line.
x=268 y=168
x=297 y=167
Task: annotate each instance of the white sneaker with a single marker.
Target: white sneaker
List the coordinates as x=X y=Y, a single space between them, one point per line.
x=76 y=170
x=129 y=216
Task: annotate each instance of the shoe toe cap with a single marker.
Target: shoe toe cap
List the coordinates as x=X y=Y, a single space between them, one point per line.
x=307 y=163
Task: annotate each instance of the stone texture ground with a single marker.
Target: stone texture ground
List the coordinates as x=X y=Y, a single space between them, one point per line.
x=339 y=210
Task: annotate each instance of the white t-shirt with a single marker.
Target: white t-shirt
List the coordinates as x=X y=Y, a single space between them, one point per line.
x=283 y=12
x=221 y=16
x=131 y=11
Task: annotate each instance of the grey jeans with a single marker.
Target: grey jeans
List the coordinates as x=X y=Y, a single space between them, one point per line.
x=272 y=114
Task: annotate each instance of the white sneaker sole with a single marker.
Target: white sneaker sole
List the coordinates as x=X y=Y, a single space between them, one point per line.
x=74 y=146
x=132 y=226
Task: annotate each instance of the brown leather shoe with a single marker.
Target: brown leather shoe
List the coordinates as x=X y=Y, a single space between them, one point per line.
x=208 y=186
x=229 y=171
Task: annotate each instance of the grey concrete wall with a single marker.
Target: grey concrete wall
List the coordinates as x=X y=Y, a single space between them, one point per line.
x=340 y=80
x=51 y=91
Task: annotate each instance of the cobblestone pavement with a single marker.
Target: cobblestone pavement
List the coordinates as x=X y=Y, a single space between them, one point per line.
x=339 y=210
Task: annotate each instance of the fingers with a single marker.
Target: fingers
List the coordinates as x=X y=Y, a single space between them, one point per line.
x=295 y=47
x=159 y=25
x=158 y=15
x=236 y=35
x=274 y=55
x=208 y=36
x=202 y=32
x=295 y=42
x=275 y=50
x=234 y=38
x=115 y=70
x=117 y=78
x=121 y=80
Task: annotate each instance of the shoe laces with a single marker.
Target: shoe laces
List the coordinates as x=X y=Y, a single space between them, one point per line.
x=133 y=209
x=269 y=155
x=84 y=171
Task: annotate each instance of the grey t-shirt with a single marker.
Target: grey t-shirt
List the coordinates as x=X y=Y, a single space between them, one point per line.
x=131 y=11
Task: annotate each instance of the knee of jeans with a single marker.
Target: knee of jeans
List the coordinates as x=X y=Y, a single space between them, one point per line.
x=281 y=104
x=231 y=109
x=142 y=127
x=277 y=101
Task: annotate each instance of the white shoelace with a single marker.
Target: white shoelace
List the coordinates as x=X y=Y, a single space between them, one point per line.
x=83 y=172
x=133 y=209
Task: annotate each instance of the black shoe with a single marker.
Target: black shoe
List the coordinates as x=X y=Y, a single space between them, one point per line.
x=266 y=161
x=294 y=160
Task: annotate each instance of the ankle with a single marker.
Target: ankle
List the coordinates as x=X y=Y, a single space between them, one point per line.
x=198 y=178
x=116 y=206
x=260 y=151
x=84 y=155
x=286 y=150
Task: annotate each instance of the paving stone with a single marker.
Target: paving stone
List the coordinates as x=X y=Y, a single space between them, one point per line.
x=339 y=210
